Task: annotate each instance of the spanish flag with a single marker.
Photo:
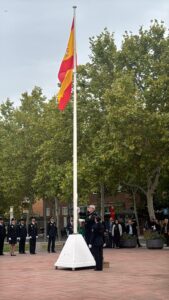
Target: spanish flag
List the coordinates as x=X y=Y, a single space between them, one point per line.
x=65 y=74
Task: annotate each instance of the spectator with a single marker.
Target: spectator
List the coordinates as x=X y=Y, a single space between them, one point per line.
x=109 y=225
x=116 y=234
x=112 y=212
x=131 y=229
x=165 y=230
x=81 y=227
x=69 y=227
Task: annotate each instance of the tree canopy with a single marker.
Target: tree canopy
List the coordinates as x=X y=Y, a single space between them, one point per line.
x=123 y=126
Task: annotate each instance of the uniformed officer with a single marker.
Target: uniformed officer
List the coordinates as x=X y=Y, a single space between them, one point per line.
x=22 y=234
x=97 y=242
x=2 y=235
x=33 y=235
x=12 y=236
x=51 y=235
x=89 y=222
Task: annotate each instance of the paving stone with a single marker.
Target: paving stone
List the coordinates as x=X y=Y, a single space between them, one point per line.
x=135 y=274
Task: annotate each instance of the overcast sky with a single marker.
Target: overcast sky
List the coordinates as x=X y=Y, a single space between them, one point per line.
x=34 y=36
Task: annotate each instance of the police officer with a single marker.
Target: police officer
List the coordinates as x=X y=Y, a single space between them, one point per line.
x=33 y=235
x=22 y=234
x=97 y=242
x=51 y=235
x=89 y=222
x=2 y=235
x=12 y=236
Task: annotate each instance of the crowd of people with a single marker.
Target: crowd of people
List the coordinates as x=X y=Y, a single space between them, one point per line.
x=159 y=226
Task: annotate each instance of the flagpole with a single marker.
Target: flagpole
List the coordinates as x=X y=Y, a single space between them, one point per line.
x=75 y=197
x=75 y=253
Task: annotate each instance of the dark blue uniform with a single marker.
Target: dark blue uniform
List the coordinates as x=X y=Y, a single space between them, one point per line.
x=97 y=241
x=12 y=234
x=51 y=233
x=89 y=222
x=33 y=233
x=22 y=234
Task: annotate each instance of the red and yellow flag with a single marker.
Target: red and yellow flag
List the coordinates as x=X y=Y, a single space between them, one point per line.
x=65 y=74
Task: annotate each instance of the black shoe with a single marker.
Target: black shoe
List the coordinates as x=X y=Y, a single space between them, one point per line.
x=54 y=251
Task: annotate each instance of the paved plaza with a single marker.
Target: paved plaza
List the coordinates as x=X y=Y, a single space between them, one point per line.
x=135 y=274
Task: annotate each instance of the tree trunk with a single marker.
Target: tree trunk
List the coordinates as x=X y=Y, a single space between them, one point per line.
x=135 y=211
x=57 y=218
x=102 y=201
x=44 y=218
x=152 y=183
x=150 y=205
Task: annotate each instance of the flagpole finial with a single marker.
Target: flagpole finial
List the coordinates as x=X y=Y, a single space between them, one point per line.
x=74 y=7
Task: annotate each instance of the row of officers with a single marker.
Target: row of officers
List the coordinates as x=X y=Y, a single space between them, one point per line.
x=19 y=233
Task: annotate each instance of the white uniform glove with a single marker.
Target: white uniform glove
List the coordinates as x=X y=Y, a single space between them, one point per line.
x=90 y=246
x=9 y=239
x=37 y=236
x=47 y=236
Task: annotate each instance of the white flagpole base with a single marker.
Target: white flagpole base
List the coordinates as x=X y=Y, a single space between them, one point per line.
x=75 y=254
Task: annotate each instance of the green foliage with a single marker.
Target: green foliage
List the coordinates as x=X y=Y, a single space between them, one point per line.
x=123 y=122
x=153 y=235
x=127 y=236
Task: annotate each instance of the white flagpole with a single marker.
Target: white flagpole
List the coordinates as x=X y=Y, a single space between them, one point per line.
x=75 y=253
x=75 y=197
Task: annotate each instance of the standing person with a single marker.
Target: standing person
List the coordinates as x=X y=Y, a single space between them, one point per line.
x=89 y=222
x=116 y=234
x=51 y=235
x=12 y=236
x=33 y=235
x=69 y=227
x=108 y=233
x=131 y=229
x=2 y=235
x=112 y=212
x=97 y=242
x=22 y=234
x=165 y=230
x=81 y=227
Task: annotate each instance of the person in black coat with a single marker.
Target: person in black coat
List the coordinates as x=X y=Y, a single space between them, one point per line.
x=165 y=230
x=2 y=235
x=22 y=234
x=97 y=242
x=12 y=236
x=33 y=235
x=69 y=227
x=131 y=229
x=116 y=233
x=51 y=235
x=89 y=222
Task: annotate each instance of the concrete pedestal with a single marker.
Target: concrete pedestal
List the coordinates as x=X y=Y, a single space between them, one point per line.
x=75 y=254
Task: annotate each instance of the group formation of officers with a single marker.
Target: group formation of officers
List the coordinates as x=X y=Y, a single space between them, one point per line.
x=93 y=234
x=19 y=233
